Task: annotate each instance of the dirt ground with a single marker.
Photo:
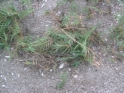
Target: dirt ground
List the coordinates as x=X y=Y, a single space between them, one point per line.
x=108 y=77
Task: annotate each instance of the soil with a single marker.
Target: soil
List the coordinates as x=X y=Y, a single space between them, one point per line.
x=106 y=76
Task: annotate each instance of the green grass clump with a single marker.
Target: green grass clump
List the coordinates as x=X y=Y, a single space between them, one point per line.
x=72 y=46
x=63 y=82
x=70 y=41
x=119 y=32
x=120 y=1
x=10 y=24
x=36 y=46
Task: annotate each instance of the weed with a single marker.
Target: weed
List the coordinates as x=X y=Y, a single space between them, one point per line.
x=72 y=41
x=73 y=7
x=119 y=32
x=47 y=12
x=62 y=83
x=120 y=1
x=73 y=46
x=71 y=20
x=10 y=24
x=29 y=44
x=69 y=42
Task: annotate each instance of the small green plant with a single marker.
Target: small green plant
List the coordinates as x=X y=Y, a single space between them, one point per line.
x=73 y=46
x=70 y=41
x=10 y=24
x=71 y=20
x=38 y=45
x=63 y=81
x=119 y=32
x=73 y=7
x=120 y=1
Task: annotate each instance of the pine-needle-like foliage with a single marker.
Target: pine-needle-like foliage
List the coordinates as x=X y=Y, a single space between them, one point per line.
x=72 y=45
x=38 y=45
x=70 y=41
x=10 y=24
x=119 y=32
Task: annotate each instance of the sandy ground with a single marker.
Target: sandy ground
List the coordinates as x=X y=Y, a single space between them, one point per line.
x=15 y=77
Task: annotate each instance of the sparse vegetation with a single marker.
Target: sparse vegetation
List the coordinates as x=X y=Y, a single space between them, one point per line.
x=70 y=41
x=74 y=38
x=63 y=81
x=10 y=30
x=119 y=32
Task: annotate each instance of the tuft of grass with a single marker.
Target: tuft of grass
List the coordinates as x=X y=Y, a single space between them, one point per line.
x=72 y=46
x=63 y=81
x=36 y=46
x=119 y=32
x=71 y=20
x=10 y=24
x=120 y=1
x=70 y=41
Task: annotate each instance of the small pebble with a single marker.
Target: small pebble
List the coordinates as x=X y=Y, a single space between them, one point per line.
x=12 y=74
x=25 y=68
x=3 y=86
x=61 y=66
x=51 y=70
x=69 y=69
x=42 y=74
x=75 y=76
x=18 y=75
x=118 y=15
x=7 y=56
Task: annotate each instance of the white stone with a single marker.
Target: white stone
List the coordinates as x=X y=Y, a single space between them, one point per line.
x=18 y=75
x=69 y=69
x=7 y=56
x=3 y=86
x=12 y=73
x=61 y=66
x=42 y=74
x=118 y=15
x=51 y=70
x=75 y=76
